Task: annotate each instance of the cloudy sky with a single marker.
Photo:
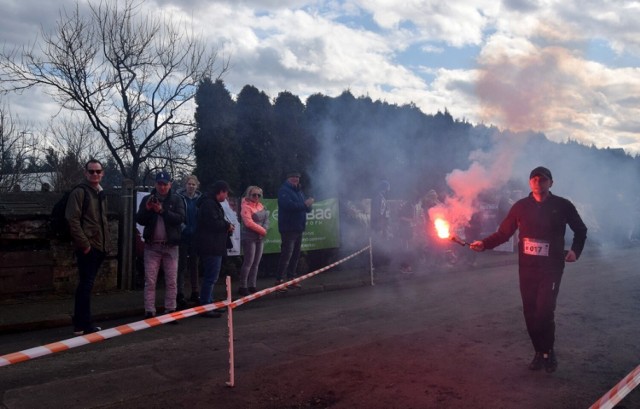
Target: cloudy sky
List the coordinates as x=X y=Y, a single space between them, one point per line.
x=568 y=68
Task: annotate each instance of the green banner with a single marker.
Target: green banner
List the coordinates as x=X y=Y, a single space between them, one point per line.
x=322 y=231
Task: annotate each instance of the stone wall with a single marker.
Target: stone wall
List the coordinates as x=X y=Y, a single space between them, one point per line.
x=31 y=263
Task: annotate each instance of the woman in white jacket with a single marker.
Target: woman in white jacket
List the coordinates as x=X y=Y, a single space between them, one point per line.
x=255 y=222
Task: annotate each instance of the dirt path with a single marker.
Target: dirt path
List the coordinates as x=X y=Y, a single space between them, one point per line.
x=452 y=342
x=434 y=340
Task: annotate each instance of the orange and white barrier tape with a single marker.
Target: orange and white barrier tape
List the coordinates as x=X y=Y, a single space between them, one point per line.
x=618 y=392
x=270 y=290
x=64 y=345
x=104 y=334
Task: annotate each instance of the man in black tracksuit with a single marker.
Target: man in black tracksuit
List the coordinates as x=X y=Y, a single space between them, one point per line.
x=541 y=219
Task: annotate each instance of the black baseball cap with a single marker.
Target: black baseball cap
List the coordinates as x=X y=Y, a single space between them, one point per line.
x=220 y=186
x=541 y=171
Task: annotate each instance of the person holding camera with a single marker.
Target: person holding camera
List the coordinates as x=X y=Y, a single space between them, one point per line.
x=162 y=215
x=212 y=232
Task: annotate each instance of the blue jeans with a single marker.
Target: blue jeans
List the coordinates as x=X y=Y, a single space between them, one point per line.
x=88 y=266
x=211 y=266
x=289 y=254
x=252 y=252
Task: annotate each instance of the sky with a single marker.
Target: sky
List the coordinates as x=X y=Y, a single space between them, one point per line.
x=569 y=69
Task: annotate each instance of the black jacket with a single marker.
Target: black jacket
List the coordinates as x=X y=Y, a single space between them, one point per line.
x=211 y=229
x=545 y=222
x=173 y=215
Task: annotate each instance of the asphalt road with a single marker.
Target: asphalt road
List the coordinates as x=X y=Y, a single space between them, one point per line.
x=446 y=340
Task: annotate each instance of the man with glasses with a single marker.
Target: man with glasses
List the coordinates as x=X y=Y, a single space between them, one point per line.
x=162 y=215
x=86 y=214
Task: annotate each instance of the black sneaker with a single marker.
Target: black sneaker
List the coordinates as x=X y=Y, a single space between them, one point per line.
x=211 y=314
x=243 y=291
x=406 y=270
x=537 y=362
x=283 y=289
x=550 y=362
x=149 y=314
x=253 y=290
x=195 y=297
x=78 y=331
x=174 y=322
x=181 y=302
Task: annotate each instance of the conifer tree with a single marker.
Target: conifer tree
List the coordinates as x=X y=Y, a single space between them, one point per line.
x=216 y=147
x=260 y=163
x=295 y=144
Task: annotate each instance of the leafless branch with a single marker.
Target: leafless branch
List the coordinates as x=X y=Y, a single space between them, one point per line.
x=131 y=74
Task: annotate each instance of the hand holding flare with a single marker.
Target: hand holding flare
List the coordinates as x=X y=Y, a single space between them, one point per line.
x=442 y=227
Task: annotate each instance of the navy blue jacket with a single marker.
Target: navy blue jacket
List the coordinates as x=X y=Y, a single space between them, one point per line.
x=292 y=212
x=191 y=210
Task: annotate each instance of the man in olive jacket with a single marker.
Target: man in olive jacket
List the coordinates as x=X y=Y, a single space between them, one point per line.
x=162 y=215
x=87 y=220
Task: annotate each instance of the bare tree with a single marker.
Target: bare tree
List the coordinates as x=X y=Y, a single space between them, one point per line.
x=176 y=156
x=131 y=74
x=71 y=142
x=17 y=152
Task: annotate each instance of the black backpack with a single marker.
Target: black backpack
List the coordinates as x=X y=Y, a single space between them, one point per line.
x=59 y=227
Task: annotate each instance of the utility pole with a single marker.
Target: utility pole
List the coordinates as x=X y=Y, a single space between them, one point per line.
x=125 y=264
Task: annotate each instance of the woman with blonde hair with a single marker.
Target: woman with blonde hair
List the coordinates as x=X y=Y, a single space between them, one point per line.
x=255 y=222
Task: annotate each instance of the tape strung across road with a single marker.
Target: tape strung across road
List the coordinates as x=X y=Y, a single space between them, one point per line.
x=270 y=290
x=104 y=334
x=618 y=392
x=66 y=344
x=607 y=401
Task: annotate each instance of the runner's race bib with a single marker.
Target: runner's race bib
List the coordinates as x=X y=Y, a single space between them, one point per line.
x=535 y=247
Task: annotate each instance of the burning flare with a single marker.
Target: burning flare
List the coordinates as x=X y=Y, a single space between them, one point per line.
x=442 y=228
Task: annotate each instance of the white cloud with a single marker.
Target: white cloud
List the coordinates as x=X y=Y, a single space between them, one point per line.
x=453 y=22
x=306 y=53
x=535 y=52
